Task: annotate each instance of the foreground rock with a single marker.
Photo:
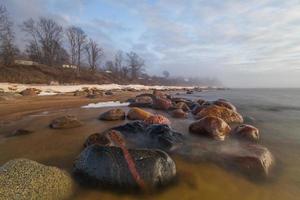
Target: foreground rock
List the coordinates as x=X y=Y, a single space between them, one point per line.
x=213 y=127
x=253 y=161
x=143 y=135
x=224 y=113
x=112 y=115
x=157 y=119
x=68 y=121
x=246 y=132
x=179 y=113
x=138 y=114
x=107 y=167
x=23 y=179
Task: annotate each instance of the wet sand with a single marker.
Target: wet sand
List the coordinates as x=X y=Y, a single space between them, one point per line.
x=60 y=148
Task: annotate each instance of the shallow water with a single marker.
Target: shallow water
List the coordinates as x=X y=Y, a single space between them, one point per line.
x=275 y=112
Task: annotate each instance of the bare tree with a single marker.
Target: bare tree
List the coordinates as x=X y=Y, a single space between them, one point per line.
x=7 y=48
x=135 y=63
x=124 y=72
x=94 y=52
x=46 y=40
x=119 y=62
x=166 y=74
x=77 y=42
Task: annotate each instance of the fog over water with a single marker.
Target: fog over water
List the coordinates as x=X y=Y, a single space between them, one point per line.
x=242 y=43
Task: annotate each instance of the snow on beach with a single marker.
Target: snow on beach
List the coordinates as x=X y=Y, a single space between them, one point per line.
x=55 y=89
x=106 y=104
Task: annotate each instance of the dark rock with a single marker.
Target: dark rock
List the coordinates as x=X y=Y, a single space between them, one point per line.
x=190 y=92
x=20 y=132
x=213 y=127
x=23 y=179
x=107 y=167
x=99 y=139
x=179 y=113
x=224 y=113
x=68 y=121
x=108 y=93
x=113 y=114
x=246 y=132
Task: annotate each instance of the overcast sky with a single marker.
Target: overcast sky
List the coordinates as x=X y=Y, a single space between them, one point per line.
x=243 y=43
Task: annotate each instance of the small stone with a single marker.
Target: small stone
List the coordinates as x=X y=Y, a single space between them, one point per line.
x=246 y=132
x=68 y=121
x=113 y=114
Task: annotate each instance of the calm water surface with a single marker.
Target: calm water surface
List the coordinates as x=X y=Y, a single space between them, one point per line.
x=275 y=112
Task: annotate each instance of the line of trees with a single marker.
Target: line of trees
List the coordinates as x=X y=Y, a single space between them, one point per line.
x=51 y=44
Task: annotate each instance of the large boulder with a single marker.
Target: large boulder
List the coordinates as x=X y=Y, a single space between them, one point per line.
x=23 y=179
x=142 y=135
x=64 y=122
x=224 y=113
x=109 y=167
x=138 y=114
x=179 y=113
x=162 y=103
x=246 y=132
x=213 y=127
x=225 y=104
x=157 y=119
x=112 y=115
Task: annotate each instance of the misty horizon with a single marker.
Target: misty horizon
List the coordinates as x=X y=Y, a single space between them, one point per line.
x=242 y=44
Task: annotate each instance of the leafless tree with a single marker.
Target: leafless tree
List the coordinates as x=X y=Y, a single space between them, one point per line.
x=45 y=44
x=119 y=62
x=124 y=72
x=77 y=42
x=135 y=63
x=7 y=48
x=94 y=52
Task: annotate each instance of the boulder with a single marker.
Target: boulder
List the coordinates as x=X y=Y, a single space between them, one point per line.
x=142 y=101
x=23 y=179
x=162 y=103
x=20 y=132
x=246 y=132
x=190 y=92
x=68 y=121
x=80 y=93
x=183 y=106
x=113 y=114
x=200 y=101
x=224 y=113
x=108 y=167
x=99 y=139
x=138 y=114
x=179 y=113
x=213 y=127
x=142 y=135
x=225 y=104
x=157 y=119
x=30 y=92
x=159 y=94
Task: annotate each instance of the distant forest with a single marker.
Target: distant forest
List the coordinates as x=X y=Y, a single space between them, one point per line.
x=49 y=44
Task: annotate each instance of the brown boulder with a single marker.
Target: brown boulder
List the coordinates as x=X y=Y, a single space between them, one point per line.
x=30 y=92
x=179 y=113
x=142 y=101
x=224 y=113
x=157 y=119
x=225 y=104
x=183 y=106
x=162 y=104
x=201 y=101
x=113 y=114
x=213 y=127
x=68 y=121
x=138 y=114
x=246 y=132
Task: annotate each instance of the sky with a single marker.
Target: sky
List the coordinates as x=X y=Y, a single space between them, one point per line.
x=254 y=43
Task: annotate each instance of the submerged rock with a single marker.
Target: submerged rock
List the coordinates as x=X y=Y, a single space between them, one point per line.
x=157 y=119
x=179 y=113
x=68 y=121
x=226 y=104
x=246 y=132
x=20 y=132
x=213 y=127
x=23 y=179
x=138 y=114
x=224 y=113
x=113 y=114
x=143 y=135
x=108 y=167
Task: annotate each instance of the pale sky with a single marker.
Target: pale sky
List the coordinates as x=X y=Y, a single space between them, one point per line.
x=243 y=43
